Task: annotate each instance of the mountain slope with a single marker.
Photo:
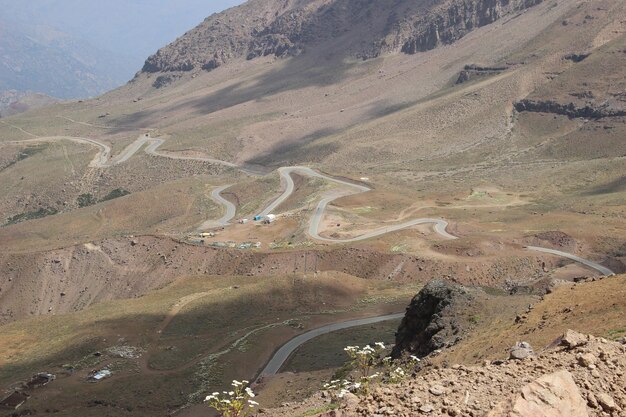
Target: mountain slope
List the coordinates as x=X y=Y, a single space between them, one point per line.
x=45 y=60
x=358 y=28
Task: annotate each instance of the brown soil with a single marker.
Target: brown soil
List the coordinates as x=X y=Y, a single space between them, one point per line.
x=70 y=279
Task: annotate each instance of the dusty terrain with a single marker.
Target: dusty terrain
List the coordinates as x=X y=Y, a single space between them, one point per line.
x=473 y=378
x=507 y=123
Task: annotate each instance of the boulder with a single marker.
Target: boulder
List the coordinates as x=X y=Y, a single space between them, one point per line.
x=572 y=339
x=521 y=350
x=607 y=402
x=552 y=395
x=586 y=359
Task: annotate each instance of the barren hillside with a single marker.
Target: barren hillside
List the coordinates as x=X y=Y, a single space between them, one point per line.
x=299 y=163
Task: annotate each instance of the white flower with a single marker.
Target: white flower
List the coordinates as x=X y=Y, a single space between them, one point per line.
x=380 y=344
x=252 y=403
x=250 y=392
x=415 y=358
x=226 y=401
x=209 y=398
x=231 y=393
x=357 y=385
x=236 y=383
x=342 y=393
x=216 y=393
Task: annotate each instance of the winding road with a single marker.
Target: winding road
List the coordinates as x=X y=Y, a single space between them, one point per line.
x=602 y=269
x=229 y=207
x=352 y=188
x=282 y=354
x=103 y=159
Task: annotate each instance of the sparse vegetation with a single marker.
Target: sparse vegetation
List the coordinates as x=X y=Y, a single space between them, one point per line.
x=235 y=403
x=617 y=333
x=117 y=193
x=85 y=200
x=31 y=215
x=30 y=151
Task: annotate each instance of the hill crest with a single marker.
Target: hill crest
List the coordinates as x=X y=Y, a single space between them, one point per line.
x=361 y=29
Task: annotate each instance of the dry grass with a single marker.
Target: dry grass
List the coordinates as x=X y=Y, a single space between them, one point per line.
x=597 y=308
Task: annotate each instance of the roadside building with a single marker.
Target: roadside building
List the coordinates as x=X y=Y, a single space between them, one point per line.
x=270 y=218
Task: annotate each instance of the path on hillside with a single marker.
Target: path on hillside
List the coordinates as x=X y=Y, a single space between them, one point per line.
x=226 y=346
x=282 y=354
x=103 y=159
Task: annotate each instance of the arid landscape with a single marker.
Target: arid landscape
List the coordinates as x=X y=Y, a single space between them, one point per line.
x=287 y=166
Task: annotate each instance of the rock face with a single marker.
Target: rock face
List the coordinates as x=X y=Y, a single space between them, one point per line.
x=349 y=28
x=570 y=109
x=473 y=71
x=430 y=322
x=452 y=23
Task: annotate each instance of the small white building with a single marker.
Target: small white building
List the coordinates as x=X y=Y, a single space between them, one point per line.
x=270 y=218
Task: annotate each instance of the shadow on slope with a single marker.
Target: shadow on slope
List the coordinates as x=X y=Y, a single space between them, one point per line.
x=294 y=73
x=615 y=186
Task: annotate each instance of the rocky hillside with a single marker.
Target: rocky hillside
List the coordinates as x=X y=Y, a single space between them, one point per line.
x=355 y=28
x=577 y=376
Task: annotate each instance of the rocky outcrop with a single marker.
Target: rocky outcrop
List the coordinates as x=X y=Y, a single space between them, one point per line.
x=472 y=71
x=576 y=57
x=570 y=109
x=355 y=28
x=430 y=322
x=450 y=24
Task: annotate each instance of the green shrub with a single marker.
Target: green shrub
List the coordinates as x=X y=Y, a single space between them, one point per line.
x=85 y=200
x=30 y=151
x=117 y=193
x=31 y=215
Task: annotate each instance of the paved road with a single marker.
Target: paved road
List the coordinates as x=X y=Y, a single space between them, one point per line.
x=285 y=178
x=103 y=157
x=229 y=212
x=602 y=269
x=100 y=160
x=440 y=226
x=316 y=218
x=103 y=160
x=282 y=354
